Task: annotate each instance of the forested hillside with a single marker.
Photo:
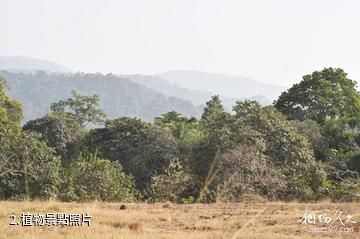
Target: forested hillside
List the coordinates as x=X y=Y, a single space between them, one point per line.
x=197 y=97
x=119 y=96
x=29 y=64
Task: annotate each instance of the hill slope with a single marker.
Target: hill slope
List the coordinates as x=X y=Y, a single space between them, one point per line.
x=28 y=64
x=119 y=96
x=197 y=97
x=228 y=86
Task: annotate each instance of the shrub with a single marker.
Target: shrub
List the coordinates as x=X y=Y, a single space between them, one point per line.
x=90 y=178
x=174 y=185
x=28 y=167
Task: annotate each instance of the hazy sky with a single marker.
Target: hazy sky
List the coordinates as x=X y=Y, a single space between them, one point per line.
x=271 y=40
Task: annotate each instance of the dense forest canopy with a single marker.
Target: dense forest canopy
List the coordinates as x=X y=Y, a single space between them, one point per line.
x=304 y=147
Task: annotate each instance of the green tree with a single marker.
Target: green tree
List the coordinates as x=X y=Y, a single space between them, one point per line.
x=10 y=111
x=181 y=127
x=326 y=94
x=32 y=167
x=60 y=131
x=214 y=117
x=84 y=108
x=312 y=131
x=215 y=126
x=247 y=170
x=187 y=131
x=175 y=184
x=283 y=144
x=142 y=149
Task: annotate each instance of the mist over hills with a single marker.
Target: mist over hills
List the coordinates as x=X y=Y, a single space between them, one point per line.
x=119 y=96
x=197 y=97
x=227 y=86
x=198 y=87
x=29 y=64
x=38 y=83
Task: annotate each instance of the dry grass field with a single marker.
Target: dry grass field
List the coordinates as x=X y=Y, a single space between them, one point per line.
x=165 y=220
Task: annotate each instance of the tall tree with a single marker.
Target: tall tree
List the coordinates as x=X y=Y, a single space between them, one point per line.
x=60 y=131
x=282 y=143
x=186 y=130
x=10 y=110
x=34 y=167
x=143 y=150
x=215 y=126
x=322 y=95
x=84 y=108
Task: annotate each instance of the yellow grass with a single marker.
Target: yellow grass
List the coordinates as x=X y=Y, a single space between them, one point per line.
x=230 y=221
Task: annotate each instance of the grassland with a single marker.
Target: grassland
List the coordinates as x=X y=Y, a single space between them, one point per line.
x=165 y=220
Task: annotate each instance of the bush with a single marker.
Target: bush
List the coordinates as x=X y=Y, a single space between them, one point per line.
x=60 y=131
x=246 y=170
x=28 y=168
x=143 y=150
x=174 y=185
x=348 y=190
x=90 y=178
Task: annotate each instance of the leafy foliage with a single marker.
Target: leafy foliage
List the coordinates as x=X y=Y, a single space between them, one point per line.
x=91 y=178
x=214 y=124
x=143 y=150
x=247 y=170
x=181 y=127
x=325 y=94
x=10 y=111
x=85 y=109
x=60 y=131
x=305 y=147
x=313 y=132
x=173 y=185
x=34 y=169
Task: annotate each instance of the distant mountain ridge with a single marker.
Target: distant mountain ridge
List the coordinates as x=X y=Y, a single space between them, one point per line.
x=227 y=86
x=197 y=97
x=192 y=85
x=119 y=96
x=144 y=96
x=29 y=64
x=198 y=87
